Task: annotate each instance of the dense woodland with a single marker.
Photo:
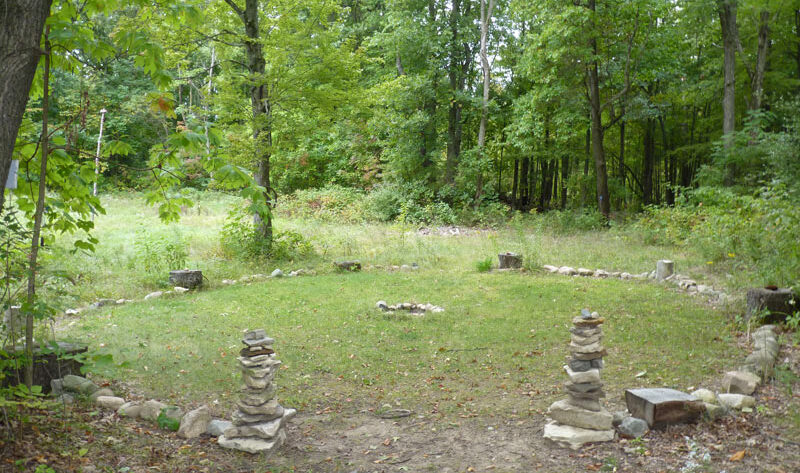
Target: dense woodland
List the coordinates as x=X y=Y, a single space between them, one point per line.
x=536 y=104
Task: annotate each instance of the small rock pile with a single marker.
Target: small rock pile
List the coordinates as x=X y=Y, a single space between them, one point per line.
x=259 y=422
x=580 y=418
x=414 y=309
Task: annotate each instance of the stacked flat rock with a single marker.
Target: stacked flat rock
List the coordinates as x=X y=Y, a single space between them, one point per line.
x=259 y=421
x=580 y=418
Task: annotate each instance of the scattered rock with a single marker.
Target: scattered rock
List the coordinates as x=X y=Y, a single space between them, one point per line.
x=601 y=273
x=228 y=282
x=550 y=269
x=66 y=398
x=736 y=401
x=567 y=271
x=217 y=427
x=130 y=409
x=151 y=409
x=715 y=411
x=740 y=382
x=110 y=402
x=705 y=395
x=56 y=387
x=101 y=392
x=585 y=272
x=618 y=417
x=277 y=273
x=179 y=290
x=154 y=295
x=632 y=427
x=251 y=444
x=194 y=423
x=72 y=311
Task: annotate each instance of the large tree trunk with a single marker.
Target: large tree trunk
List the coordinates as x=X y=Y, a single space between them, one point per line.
x=524 y=196
x=757 y=81
x=648 y=162
x=564 y=180
x=261 y=107
x=21 y=31
x=797 y=33
x=514 y=181
x=486 y=18
x=727 y=17
x=454 y=114
x=598 y=151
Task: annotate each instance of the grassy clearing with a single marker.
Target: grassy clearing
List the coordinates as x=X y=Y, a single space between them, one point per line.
x=498 y=347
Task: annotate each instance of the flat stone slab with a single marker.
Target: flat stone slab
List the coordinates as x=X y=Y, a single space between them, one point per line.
x=575 y=437
x=660 y=407
x=567 y=414
x=252 y=444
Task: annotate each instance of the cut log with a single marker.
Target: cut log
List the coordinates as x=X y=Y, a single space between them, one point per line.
x=187 y=278
x=510 y=261
x=664 y=269
x=660 y=407
x=777 y=301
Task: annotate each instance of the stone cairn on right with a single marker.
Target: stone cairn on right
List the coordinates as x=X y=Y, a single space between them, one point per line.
x=259 y=423
x=580 y=419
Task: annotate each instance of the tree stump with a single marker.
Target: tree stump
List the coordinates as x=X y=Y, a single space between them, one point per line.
x=778 y=301
x=187 y=278
x=510 y=260
x=348 y=265
x=50 y=362
x=664 y=269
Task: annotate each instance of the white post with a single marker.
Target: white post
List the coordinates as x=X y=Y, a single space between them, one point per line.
x=97 y=155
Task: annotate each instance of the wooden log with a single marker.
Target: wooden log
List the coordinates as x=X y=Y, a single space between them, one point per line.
x=187 y=278
x=777 y=301
x=660 y=407
x=510 y=260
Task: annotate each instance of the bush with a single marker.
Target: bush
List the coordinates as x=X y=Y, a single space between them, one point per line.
x=761 y=232
x=484 y=265
x=239 y=239
x=570 y=221
x=157 y=253
x=332 y=203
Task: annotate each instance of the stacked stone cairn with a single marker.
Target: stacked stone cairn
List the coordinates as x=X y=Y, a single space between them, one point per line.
x=259 y=422
x=580 y=418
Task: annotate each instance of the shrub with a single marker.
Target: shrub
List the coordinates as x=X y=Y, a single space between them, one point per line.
x=570 y=221
x=239 y=239
x=484 y=265
x=158 y=252
x=332 y=203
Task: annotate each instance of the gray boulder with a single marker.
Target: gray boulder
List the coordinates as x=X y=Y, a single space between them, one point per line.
x=217 y=427
x=632 y=427
x=109 y=402
x=130 y=409
x=151 y=409
x=740 y=382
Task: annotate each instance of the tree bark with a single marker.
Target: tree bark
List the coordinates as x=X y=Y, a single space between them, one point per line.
x=730 y=40
x=598 y=151
x=33 y=256
x=261 y=107
x=21 y=26
x=757 y=81
x=648 y=162
x=514 y=181
x=460 y=61
x=564 y=180
x=486 y=18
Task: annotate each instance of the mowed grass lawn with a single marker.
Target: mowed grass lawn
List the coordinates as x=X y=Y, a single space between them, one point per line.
x=497 y=348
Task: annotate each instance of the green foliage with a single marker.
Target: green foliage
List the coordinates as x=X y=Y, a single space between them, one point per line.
x=760 y=232
x=408 y=203
x=166 y=422
x=159 y=252
x=331 y=204
x=484 y=265
x=240 y=239
x=570 y=221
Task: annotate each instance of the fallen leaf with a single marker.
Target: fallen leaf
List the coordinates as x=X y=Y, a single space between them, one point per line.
x=737 y=456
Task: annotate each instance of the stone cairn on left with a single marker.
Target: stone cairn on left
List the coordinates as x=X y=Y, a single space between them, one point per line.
x=580 y=418
x=259 y=423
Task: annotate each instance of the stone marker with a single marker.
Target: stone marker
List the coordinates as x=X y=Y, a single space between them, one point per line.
x=580 y=418
x=509 y=260
x=779 y=302
x=664 y=269
x=188 y=278
x=259 y=423
x=660 y=407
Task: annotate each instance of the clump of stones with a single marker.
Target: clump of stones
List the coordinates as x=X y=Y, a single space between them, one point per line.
x=580 y=419
x=259 y=423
